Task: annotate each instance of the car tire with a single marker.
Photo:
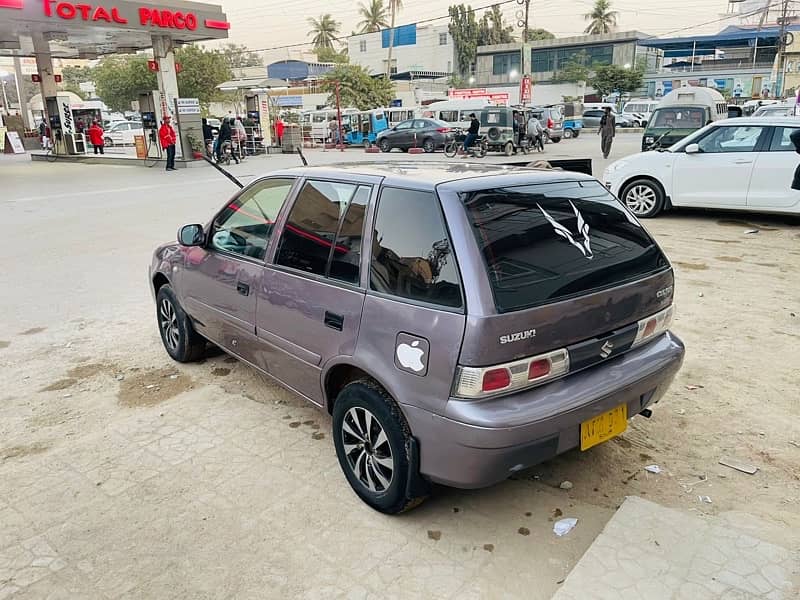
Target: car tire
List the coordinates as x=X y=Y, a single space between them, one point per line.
x=508 y=148
x=180 y=340
x=375 y=448
x=428 y=145
x=643 y=197
x=384 y=145
x=367 y=144
x=568 y=133
x=108 y=142
x=555 y=140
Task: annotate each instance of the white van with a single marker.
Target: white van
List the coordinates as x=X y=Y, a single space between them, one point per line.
x=639 y=110
x=321 y=119
x=397 y=114
x=454 y=112
x=681 y=112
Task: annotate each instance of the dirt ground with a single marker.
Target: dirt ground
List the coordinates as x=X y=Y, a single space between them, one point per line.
x=123 y=474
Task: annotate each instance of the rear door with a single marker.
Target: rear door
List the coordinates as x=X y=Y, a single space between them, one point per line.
x=770 y=184
x=718 y=175
x=311 y=297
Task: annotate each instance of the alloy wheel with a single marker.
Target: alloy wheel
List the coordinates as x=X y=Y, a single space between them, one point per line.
x=641 y=199
x=168 y=320
x=367 y=449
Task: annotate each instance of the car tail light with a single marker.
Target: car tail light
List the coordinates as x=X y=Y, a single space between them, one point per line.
x=482 y=382
x=549 y=123
x=654 y=326
x=443 y=130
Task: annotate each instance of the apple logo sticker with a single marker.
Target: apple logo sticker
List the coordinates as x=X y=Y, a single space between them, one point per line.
x=411 y=354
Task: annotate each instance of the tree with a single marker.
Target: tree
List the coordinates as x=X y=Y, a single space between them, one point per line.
x=73 y=77
x=463 y=29
x=357 y=88
x=539 y=34
x=373 y=16
x=201 y=72
x=325 y=31
x=394 y=7
x=492 y=30
x=601 y=18
x=612 y=78
x=331 y=55
x=239 y=57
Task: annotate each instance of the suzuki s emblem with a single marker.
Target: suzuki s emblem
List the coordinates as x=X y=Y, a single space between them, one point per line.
x=583 y=230
x=606 y=350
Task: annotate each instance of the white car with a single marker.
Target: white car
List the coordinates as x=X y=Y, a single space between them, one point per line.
x=121 y=133
x=739 y=164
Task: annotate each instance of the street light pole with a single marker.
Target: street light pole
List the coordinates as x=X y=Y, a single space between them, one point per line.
x=339 y=118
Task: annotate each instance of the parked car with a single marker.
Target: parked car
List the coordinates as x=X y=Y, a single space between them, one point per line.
x=428 y=134
x=739 y=164
x=459 y=324
x=591 y=118
x=121 y=133
x=774 y=110
x=552 y=120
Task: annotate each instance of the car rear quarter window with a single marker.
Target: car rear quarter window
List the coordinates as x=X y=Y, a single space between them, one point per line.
x=780 y=139
x=411 y=253
x=549 y=242
x=324 y=229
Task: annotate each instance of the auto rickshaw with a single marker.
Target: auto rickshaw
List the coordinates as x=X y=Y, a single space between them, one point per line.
x=365 y=126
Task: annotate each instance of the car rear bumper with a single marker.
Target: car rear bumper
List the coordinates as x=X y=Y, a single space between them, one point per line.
x=479 y=443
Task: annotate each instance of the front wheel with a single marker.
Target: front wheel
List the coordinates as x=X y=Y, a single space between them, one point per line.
x=508 y=149
x=385 y=146
x=451 y=149
x=180 y=340
x=555 y=140
x=374 y=447
x=568 y=133
x=644 y=198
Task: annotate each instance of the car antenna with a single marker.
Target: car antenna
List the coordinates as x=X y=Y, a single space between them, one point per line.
x=223 y=171
x=302 y=157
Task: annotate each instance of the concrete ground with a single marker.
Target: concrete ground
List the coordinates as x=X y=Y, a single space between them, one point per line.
x=124 y=475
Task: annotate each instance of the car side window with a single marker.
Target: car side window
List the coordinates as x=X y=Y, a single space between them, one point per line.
x=405 y=125
x=245 y=225
x=324 y=229
x=411 y=253
x=731 y=139
x=781 y=141
x=420 y=124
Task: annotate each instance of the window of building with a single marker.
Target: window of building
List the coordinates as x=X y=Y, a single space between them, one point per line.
x=362 y=46
x=543 y=61
x=324 y=230
x=412 y=257
x=443 y=39
x=503 y=64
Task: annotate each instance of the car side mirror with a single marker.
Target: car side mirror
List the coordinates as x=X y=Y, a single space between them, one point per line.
x=693 y=149
x=191 y=235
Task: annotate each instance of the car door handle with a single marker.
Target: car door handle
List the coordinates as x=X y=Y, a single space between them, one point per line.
x=334 y=321
x=243 y=288
x=743 y=162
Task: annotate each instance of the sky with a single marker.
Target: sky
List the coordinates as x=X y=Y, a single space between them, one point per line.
x=271 y=23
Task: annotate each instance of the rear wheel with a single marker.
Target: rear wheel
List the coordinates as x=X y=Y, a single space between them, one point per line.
x=385 y=146
x=555 y=140
x=644 y=198
x=508 y=149
x=108 y=142
x=374 y=447
x=428 y=145
x=480 y=148
x=367 y=144
x=568 y=133
x=180 y=340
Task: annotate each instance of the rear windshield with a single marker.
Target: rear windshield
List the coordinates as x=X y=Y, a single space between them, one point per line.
x=548 y=242
x=679 y=117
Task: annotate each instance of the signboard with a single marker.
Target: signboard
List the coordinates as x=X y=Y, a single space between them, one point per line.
x=289 y=100
x=264 y=120
x=188 y=106
x=141 y=149
x=16 y=143
x=152 y=65
x=36 y=78
x=525 y=90
x=480 y=94
x=65 y=115
x=467 y=93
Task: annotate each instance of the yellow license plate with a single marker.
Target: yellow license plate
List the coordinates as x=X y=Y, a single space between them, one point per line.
x=604 y=427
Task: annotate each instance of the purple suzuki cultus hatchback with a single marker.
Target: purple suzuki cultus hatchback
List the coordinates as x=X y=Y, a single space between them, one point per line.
x=459 y=322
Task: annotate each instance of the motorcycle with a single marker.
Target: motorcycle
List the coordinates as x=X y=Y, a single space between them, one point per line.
x=478 y=149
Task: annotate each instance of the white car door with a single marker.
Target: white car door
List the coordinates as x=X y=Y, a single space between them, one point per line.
x=117 y=133
x=719 y=174
x=770 y=185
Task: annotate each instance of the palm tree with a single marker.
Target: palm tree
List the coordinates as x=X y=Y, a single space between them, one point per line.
x=325 y=31
x=374 y=16
x=602 y=19
x=395 y=6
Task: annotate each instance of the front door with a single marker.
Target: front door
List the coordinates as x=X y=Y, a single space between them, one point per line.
x=311 y=298
x=770 y=185
x=220 y=281
x=403 y=135
x=718 y=175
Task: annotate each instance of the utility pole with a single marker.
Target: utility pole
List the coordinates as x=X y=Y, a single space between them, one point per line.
x=782 y=49
x=522 y=20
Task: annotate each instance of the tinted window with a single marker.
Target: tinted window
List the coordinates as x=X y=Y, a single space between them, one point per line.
x=245 y=225
x=411 y=253
x=451 y=116
x=731 y=139
x=420 y=124
x=549 y=242
x=405 y=125
x=312 y=230
x=680 y=118
x=781 y=141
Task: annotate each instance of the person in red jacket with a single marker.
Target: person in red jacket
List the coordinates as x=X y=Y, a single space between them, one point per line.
x=279 y=127
x=167 y=137
x=96 y=134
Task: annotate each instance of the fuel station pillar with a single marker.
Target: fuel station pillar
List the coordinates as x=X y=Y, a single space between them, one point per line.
x=164 y=55
x=44 y=64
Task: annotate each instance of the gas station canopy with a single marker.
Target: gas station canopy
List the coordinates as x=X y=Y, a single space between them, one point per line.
x=77 y=29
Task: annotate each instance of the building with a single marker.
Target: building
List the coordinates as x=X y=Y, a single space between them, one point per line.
x=418 y=51
x=502 y=65
x=764 y=12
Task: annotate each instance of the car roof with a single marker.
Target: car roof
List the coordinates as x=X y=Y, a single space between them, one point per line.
x=774 y=121
x=428 y=175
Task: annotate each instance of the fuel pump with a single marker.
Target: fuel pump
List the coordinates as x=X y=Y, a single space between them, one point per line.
x=65 y=138
x=150 y=109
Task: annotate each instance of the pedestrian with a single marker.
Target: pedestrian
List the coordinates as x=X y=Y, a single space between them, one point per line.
x=43 y=134
x=208 y=136
x=608 y=125
x=242 y=135
x=80 y=125
x=96 y=138
x=795 y=138
x=225 y=137
x=279 y=127
x=167 y=137
x=535 y=132
x=334 y=130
